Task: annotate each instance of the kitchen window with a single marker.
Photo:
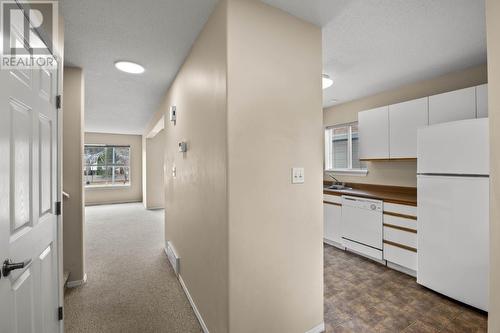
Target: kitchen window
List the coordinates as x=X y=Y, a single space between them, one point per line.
x=342 y=150
x=106 y=165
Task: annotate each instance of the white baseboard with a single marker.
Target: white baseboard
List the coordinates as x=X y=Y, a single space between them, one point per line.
x=193 y=305
x=317 y=329
x=155 y=208
x=334 y=244
x=77 y=283
x=190 y=299
x=91 y=204
x=402 y=269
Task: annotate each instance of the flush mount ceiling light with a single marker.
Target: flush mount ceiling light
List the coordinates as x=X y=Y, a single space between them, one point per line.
x=129 y=67
x=327 y=82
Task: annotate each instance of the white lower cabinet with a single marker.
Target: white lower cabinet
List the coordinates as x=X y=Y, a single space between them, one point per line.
x=400 y=238
x=405 y=238
x=399 y=233
x=401 y=257
x=332 y=223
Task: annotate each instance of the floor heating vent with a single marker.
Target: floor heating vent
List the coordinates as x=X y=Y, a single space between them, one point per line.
x=173 y=257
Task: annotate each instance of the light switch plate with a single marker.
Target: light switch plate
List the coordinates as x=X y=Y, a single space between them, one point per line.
x=297 y=175
x=173 y=113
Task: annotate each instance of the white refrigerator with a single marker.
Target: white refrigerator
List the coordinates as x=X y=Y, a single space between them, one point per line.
x=453 y=210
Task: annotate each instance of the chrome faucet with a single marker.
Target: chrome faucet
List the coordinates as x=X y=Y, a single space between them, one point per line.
x=337 y=182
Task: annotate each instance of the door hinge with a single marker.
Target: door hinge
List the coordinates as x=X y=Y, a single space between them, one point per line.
x=60 y=313
x=58 y=208
x=58 y=102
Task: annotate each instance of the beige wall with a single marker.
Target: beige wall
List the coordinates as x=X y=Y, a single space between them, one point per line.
x=243 y=273
x=73 y=209
x=154 y=181
x=274 y=124
x=196 y=199
x=399 y=173
x=110 y=195
x=153 y=187
x=493 y=32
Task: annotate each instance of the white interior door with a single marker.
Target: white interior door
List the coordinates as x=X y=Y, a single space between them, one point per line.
x=28 y=192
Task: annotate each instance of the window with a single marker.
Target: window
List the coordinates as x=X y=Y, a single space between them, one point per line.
x=342 y=149
x=106 y=165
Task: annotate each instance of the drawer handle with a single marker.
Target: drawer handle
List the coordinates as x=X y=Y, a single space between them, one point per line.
x=400 y=228
x=401 y=246
x=404 y=216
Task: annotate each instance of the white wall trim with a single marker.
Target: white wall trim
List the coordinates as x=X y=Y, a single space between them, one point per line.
x=155 y=208
x=334 y=244
x=193 y=305
x=159 y=126
x=77 y=283
x=90 y=204
x=190 y=299
x=348 y=172
x=402 y=269
x=317 y=329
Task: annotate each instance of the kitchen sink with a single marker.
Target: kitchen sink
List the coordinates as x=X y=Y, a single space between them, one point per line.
x=338 y=187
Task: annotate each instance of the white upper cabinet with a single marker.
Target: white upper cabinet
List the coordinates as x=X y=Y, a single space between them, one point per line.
x=374 y=134
x=404 y=120
x=482 y=101
x=451 y=106
x=390 y=132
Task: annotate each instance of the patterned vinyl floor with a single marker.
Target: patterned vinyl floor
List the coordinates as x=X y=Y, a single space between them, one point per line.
x=363 y=296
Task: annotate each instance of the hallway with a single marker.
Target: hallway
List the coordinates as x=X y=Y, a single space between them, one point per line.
x=130 y=286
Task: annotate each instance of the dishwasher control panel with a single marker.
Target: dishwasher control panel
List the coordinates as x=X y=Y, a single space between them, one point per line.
x=362 y=203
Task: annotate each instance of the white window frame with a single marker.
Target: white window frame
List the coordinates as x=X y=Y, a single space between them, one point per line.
x=113 y=185
x=329 y=156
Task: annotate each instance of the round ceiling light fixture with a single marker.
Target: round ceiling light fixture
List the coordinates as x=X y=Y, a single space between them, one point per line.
x=129 y=67
x=327 y=81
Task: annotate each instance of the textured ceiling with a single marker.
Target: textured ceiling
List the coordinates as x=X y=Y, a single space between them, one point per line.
x=370 y=46
x=155 y=33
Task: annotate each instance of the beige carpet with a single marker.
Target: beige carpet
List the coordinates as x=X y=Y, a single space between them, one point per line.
x=130 y=286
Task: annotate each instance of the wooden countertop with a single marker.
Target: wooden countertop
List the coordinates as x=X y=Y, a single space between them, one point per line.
x=391 y=194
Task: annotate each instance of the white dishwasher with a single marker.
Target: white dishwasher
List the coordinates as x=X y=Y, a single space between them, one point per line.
x=362 y=226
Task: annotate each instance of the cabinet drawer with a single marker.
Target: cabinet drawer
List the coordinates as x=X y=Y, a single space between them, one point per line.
x=332 y=198
x=400 y=256
x=400 y=237
x=400 y=209
x=400 y=222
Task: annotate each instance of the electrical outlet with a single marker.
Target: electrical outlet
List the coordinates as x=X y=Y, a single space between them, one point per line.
x=297 y=175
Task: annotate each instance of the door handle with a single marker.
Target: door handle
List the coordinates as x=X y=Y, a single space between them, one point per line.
x=9 y=266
